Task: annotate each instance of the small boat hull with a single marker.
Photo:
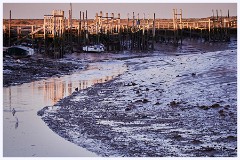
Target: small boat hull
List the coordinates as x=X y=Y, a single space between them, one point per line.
x=94 y=48
x=20 y=51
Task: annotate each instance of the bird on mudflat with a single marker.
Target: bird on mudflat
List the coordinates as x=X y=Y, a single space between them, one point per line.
x=13 y=111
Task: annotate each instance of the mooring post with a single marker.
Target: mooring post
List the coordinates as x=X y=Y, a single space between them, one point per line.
x=181 y=25
x=97 y=27
x=119 y=32
x=119 y=21
x=32 y=36
x=18 y=32
x=84 y=30
x=209 y=29
x=128 y=20
x=44 y=34
x=112 y=23
x=190 y=33
x=70 y=30
x=9 y=28
x=132 y=32
x=173 y=19
x=213 y=28
x=87 y=38
x=147 y=36
x=79 y=27
x=133 y=20
x=228 y=26
x=143 y=33
x=174 y=26
x=63 y=35
x=153 y=31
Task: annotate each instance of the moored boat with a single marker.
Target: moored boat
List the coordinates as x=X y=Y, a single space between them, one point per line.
x=20 y=51
x=94 y=48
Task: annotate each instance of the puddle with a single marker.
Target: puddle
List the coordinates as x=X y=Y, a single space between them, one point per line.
x=24 y=133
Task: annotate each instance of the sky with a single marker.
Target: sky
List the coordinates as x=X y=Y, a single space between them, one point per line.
x=162 y=10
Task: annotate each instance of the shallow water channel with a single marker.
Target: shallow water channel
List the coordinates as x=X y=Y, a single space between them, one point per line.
x=24 y=133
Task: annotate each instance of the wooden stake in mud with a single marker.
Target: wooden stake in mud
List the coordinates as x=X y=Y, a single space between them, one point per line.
x=84 y=31
x=133 y=19
x=181 y=24
x=209 y=30
x=32 y=36
x=175 y=25
x=143 y=33
x=128 y=21
x=153 y=32
x=79 y=27
x=132 y=33
x=9 y=29
x=87 y=28
x=70 y=19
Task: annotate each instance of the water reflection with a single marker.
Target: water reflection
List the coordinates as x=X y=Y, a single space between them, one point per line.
x=25 y=97
x=55 y=90
x=21 y=125
x=16 y=124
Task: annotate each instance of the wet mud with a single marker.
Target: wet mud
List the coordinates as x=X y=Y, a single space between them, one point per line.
x=18 y=71
x=178 y=104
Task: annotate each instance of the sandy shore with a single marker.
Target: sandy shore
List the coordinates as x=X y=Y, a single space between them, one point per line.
x=183 y=103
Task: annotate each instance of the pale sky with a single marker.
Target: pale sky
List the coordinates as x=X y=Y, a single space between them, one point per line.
x=162 y=10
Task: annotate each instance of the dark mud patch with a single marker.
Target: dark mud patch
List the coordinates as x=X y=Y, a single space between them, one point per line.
x=18 y=71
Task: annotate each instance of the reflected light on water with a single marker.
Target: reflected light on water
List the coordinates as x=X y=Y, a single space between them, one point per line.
x=55 y=90
x=24 y=128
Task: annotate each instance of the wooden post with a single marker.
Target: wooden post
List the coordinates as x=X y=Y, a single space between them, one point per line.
x=97 y=27
x=84 y=30
x=181 y=19
x=119 y=32
x=154 y=26
x=119 y=21
x=221 y=17
x=181 y=26
x=18 y=32
x=174 y=19
x=87 y=28
x=32 y=36
x=54 y=25
x=9 y=29
x=228 y=25
x=201 y=34
x=107 y=17
x=71 y=40
x=217 y=14
x=63 y=35
x=143 y=33
x=79 y=27
x=112 y=22
x=153 y=31
x=209 y=30
x=133 y=19
x=165 y=35
x=44 y=34
x=190 y=32
x=128 y=21
x=175 y=25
